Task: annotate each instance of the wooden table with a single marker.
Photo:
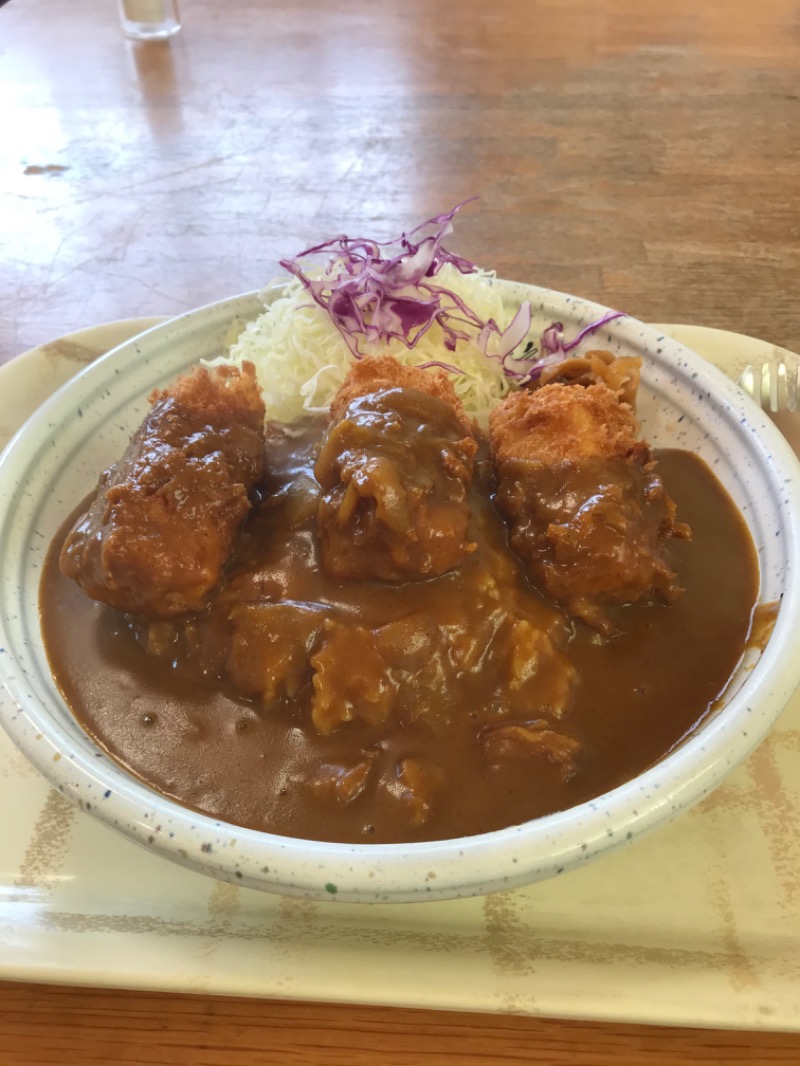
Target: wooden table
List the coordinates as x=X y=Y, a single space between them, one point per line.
x=645 y=156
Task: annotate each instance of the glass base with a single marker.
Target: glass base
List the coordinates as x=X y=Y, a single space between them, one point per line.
x=150 y=31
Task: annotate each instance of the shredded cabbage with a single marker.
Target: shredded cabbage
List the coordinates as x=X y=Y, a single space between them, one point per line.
x=417 y=301
x=301 y=358
x=384 y=290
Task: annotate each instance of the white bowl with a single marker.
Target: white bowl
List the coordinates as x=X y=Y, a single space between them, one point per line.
x=54 y=461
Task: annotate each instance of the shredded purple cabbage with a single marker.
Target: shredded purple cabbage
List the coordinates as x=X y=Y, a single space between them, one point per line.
x=376 y=298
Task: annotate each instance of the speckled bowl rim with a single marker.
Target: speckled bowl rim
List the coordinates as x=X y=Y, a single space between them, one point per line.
x=438 y=869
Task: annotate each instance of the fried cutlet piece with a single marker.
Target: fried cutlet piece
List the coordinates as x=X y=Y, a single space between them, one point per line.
x=559 y=422
x=378 y=373
x=395 y=468
x=163 y=520
x=588 y=514
x=223 y=394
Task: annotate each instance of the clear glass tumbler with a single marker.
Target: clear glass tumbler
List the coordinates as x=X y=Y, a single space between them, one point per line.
x=149 y=20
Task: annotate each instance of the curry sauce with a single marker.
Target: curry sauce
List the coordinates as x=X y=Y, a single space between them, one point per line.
x=413 y=710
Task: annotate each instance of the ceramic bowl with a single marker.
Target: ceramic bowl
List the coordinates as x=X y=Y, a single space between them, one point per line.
x=54 y=461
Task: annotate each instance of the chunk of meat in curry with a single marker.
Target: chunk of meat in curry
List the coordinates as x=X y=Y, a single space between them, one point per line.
x=395 y=468
x=163 y=520
x=588 y=513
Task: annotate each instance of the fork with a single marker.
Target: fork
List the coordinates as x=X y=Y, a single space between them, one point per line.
x=773 y=385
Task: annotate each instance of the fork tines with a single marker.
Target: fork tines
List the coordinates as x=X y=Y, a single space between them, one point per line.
x=772 y=385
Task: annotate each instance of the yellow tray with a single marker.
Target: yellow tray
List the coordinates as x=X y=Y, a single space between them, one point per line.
x=697 y=924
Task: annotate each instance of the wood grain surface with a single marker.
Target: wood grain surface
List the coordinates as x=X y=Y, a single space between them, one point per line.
x=643 y=155
x=44 y=1026
x=646 y=156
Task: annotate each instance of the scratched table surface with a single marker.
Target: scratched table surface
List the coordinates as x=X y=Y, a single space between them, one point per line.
x=644 y=156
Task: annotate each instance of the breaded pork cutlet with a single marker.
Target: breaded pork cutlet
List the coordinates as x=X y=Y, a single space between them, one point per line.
x=379 y=373
x=559 y=422
x=587 y=512
x=395 y=469
x=163 y=520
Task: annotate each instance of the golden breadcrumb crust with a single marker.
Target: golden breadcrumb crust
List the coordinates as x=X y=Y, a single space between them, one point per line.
x=376 y=373
x=560 y=422
x=219 y=394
